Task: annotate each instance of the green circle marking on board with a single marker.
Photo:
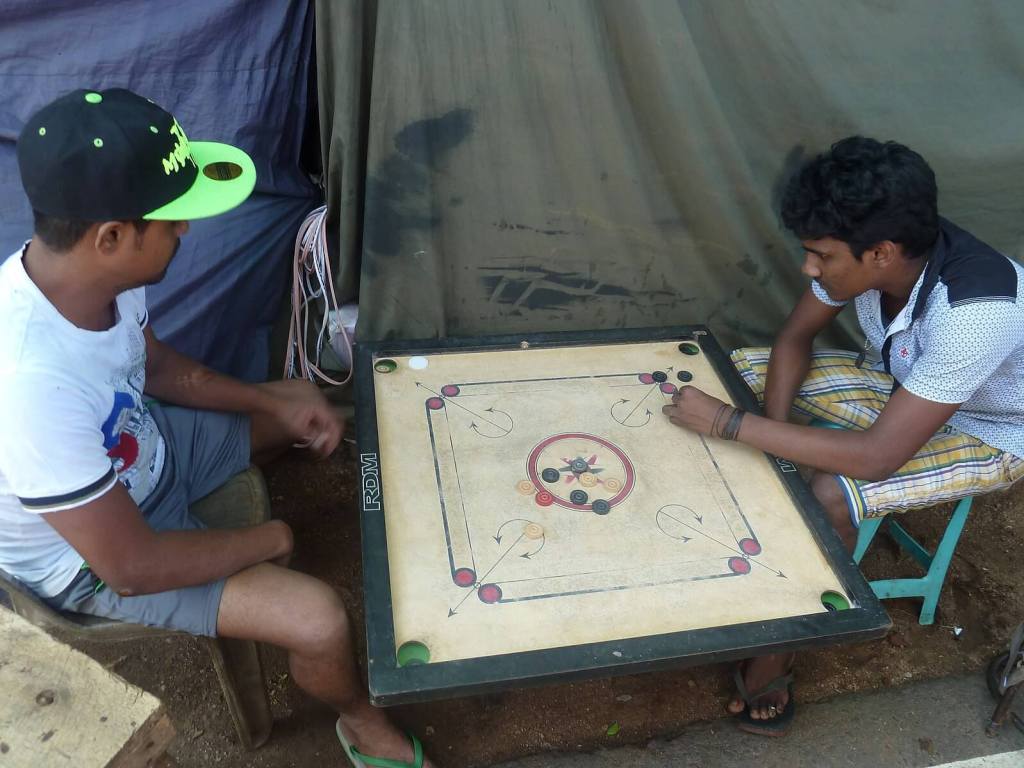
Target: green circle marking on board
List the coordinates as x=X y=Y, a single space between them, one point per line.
x=153 y=129
x=689 y=349
x=93 y=98
x=385 y=366
x=412 y=653
x=833 y=601
x=42 y=131
x=97 y=143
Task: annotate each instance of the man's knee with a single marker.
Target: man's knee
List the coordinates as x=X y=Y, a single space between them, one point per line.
x=827 y=491
x=326 y=630
x=286 y=608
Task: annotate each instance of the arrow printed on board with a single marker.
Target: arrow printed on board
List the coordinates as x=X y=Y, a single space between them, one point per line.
x=453 y=611
x=497 y=535
x=528 y=555
x=708 y=536
x=502 y=429
x=617 y=408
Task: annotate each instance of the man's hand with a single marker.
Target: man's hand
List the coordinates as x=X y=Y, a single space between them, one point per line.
x=693 y=409
x=304 y=415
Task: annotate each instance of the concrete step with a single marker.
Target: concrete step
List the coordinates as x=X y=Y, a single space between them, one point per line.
x=935 y=723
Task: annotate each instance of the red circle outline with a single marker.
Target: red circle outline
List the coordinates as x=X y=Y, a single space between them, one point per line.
x=739 y=565
x=489 y=593
x=627 y=485
x=750 y=546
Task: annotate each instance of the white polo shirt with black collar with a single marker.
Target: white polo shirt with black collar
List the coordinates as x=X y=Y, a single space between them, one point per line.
x=960 y=337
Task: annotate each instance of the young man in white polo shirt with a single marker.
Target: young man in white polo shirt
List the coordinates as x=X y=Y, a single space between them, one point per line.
x=109 y=435
x=933 y=408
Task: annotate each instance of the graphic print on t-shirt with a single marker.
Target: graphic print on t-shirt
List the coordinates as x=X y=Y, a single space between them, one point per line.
x=115 y=422
x=130 y=436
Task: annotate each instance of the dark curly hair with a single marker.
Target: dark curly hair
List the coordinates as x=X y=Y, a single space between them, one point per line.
x=862 y=192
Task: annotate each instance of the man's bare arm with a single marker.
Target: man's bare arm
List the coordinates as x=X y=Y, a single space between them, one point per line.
x=906 y=423
x=133 y=559
x=295 y=408
x=175 y=378
x=791 y=354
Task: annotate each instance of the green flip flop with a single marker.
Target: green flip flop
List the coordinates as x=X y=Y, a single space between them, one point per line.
x=359 y=760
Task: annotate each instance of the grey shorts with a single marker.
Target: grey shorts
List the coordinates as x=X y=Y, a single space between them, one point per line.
x=204 y=450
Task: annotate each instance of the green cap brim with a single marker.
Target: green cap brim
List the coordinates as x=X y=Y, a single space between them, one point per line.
x=226 y=178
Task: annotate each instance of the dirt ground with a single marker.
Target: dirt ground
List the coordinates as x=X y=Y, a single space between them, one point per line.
x=984 y=595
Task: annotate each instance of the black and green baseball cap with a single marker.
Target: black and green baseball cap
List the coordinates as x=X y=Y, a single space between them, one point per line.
x=114 y=155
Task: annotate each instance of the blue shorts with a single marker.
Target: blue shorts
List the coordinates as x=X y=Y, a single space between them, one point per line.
x=204 y=450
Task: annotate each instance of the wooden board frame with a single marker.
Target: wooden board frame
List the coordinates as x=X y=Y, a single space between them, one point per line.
x=390 y=684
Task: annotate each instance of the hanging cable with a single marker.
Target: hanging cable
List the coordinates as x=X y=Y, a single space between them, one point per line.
x=312 y=283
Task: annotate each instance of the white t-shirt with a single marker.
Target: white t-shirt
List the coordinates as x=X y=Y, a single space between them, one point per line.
x=73 y=423
x=960 y=337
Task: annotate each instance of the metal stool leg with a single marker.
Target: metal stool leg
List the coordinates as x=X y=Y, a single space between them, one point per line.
x=928 y=586
x=866 y=532
x=1002 y=709
x=940 y=560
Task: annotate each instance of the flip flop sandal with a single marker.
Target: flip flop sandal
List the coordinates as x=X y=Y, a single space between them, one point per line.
x=359 y=760
x=776 y=726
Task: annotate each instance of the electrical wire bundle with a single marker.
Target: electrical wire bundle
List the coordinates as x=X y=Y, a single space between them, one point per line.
x=313 y=285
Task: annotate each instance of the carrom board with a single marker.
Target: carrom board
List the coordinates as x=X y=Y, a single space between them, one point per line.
x=529 y=514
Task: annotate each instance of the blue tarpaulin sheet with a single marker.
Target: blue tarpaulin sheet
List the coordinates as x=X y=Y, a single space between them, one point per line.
x=229 y=71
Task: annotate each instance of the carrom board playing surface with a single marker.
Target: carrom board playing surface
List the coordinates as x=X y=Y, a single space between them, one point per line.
x=529 y=513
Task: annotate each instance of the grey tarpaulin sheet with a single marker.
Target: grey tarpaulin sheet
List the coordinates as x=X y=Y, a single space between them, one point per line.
x=229 y=71
x=541 y=165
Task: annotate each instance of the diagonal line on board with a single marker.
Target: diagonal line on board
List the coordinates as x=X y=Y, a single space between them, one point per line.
x=489 y=571
x=467 y=410
x=735 y=501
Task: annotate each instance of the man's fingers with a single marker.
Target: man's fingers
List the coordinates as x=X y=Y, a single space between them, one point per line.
x=326 y=431
x=685 y=392
x=673 y=415
x=332 y=439
x=319 y=446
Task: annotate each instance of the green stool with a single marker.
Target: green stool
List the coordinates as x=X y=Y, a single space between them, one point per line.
x=935 y=564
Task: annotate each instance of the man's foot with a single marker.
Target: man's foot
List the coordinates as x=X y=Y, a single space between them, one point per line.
x=372 y=733
x=757 y=674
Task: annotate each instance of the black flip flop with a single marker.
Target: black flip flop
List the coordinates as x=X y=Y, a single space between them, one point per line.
x=773 y=727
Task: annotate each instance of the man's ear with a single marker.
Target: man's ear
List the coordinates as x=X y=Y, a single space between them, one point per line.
x=882 y=254
x=111 y=236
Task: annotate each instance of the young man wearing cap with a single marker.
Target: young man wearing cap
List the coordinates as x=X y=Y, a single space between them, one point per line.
x=938 y=417
x=109 y=435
